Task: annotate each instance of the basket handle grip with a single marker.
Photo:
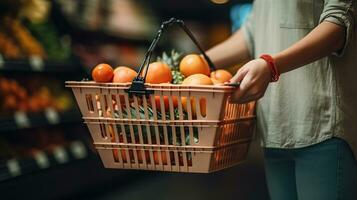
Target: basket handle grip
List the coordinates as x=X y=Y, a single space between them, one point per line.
x=137 y=86
x=237 y=84
x=164 y=26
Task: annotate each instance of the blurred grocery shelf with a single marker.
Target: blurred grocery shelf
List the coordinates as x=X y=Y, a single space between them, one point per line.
x=36 y=64
x=67 y=181
x=21 y=120
x=110 y=37
x=41 y=160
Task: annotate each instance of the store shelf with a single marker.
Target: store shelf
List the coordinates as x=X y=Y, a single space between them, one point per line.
x=81 y=179
x=109 y=37
x=42 y=160
x=35 y=64
x=21 y=120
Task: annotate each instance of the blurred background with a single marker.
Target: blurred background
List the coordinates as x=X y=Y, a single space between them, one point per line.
x=45 y=149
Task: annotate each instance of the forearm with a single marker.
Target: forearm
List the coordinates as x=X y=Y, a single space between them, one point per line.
x=326 y=38
x=232 y=51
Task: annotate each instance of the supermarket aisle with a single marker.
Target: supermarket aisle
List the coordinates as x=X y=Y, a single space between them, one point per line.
x=244 y=182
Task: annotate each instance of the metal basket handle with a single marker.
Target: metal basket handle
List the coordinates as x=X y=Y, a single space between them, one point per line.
x=137 y=87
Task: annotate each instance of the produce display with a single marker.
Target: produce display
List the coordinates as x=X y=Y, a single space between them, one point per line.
x=33 y=95
x=17 y=42
x=26 y=30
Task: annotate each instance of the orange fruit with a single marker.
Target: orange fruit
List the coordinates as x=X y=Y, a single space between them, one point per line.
x=22 y=93
x=10 y=102
x=43 y=96
x=124 y=74
x=123 y=155
x=221 y=75
x=115 y=155
x=23 y=106
x=14 y=86
x=102 y=73
x=215 y=81
x=163 y=157
x=159 y=72
x=5 y=85
x=196 y=79
x=166 y=103
x=194 y=64
x=140 y=157
x=34 y=104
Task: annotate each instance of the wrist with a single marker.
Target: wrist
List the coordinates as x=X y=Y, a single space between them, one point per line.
x=275 y=74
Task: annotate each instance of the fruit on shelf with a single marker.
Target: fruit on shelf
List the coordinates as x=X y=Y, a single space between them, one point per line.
x=44 y=97
x=28 y=44
x=124 y=74
x=10 y=102
x=64 y=101
x=194 y=64
x=221 y=76
x=57 y=47
x=159 y=72
x=33 y=105
x=102 y=73
x=196 y=79
x=4 y=85
x=33 y=95
x=8 y=48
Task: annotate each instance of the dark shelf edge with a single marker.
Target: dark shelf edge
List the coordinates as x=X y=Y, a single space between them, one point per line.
x=19 y=167
x=25 y=65
x=9 y=123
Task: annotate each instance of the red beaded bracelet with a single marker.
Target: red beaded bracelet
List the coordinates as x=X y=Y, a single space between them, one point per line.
x=271 y=63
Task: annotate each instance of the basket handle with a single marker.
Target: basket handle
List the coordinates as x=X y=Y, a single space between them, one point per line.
x=137 y=87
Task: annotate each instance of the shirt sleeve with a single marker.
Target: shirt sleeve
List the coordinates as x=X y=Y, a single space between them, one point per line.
x=341 y=12
x=248 y=30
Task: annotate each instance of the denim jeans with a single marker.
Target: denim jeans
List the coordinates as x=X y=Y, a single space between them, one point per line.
x=325 y=171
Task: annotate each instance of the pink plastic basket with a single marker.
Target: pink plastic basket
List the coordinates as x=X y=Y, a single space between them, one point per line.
x=130 y=132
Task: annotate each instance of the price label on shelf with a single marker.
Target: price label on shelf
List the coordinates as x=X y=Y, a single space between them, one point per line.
x=60 y=155
x=36 y=63
x=2 y=61
x=21 y=119
x=52 y=116
x=78 y=150
x=13 y=167
x=42 y=160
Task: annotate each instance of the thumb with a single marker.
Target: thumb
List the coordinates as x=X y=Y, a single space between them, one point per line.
x=242 y=90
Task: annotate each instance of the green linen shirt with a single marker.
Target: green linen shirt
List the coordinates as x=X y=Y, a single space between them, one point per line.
x=315 y=102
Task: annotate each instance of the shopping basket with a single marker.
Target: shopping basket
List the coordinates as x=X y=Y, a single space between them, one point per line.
x=146 y=126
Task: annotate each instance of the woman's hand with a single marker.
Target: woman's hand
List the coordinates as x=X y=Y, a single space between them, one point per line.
x=254 y=78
